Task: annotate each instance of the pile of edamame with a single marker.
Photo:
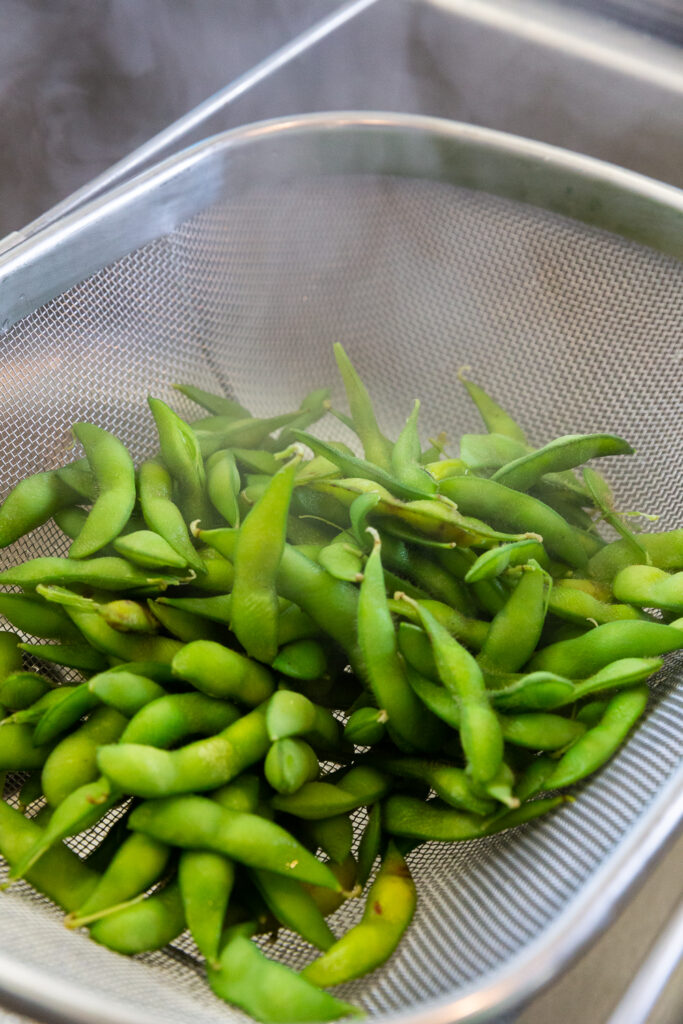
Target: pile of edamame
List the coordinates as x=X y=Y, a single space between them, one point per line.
x=275 y=644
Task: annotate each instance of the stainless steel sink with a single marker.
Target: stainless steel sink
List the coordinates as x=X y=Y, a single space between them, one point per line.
x=537 y=68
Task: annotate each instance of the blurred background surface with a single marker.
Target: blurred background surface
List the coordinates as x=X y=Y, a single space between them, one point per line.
x=82 y=85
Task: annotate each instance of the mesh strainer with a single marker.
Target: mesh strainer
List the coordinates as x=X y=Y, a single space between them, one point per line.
x=421 y=246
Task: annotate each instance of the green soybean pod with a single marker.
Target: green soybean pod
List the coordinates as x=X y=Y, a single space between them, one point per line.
x=294 y=907
x=143 y=770
x=663 y=550
x=496 y=560
x=617 y=675
x=495 y=418
x=61 y=715
x=70 y=520
x=333 y=835
x=223 y=484
x=561 y=454
x=195 y=822
x=216 y=432
x=301 y=659
x=162 y=515
x=406 y=454
x=10 y=655
x=126 y=646
x=218 y=405
x=184 y=625
x=80 y=478
x=149 y=550
x=587 y=654
x=258 y=552
x=137 y=864
x=449 y=782
x=389 y=909
x=603 y=499
x=342 y=559
x=601 y=741
x=206 y=882
x=181 y=453
x=31 y=715
x=360 y=787
x=31 y=503
x=125 y=691
x=20 y=690
x=409 y=724
x=506 y=508
x=442 y=469
x=376 y=446
x=429 y=821
x=489 y=451
x=18 y=749
x=82 y=808
x=331 y=604
x=370 y=844
x=72 y=763
x=114 y=472
x=221 y=672
x=267 y=990
x=289 y=764
x=127 y=616
x=289 y=714
x=538 y=730
x=166 y=721
x=37 y=618
x=534 y=691
x=215 y=608
x=366 y=726
x=78 y=656
x=431 y=577
x=102 y=572
x=646 y=586
x=144 y=926
x=163 y=722
x=256 y=460
x=591 y=713
x=579 y=606
x=414 y=645
x=480 y=731
x=61 y=875
x=516 y=630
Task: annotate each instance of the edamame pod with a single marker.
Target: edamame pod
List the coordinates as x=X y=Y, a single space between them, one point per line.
x=587 y=654
x=114 y=472
x=195 y=822
x=31 y=503
x=267 y=990
x=206 y=881
x=219 y=672
x=563 y=453
x=144 y=926
x=389 y=909
x=648 y=587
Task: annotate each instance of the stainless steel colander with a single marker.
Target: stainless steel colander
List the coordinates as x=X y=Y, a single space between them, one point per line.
x=422 y=245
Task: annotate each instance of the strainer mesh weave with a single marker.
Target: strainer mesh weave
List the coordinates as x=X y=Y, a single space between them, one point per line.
x=571 y=328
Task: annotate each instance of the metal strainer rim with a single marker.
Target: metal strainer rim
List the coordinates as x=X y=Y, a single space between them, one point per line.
x=537 y=173
x=626 y=196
